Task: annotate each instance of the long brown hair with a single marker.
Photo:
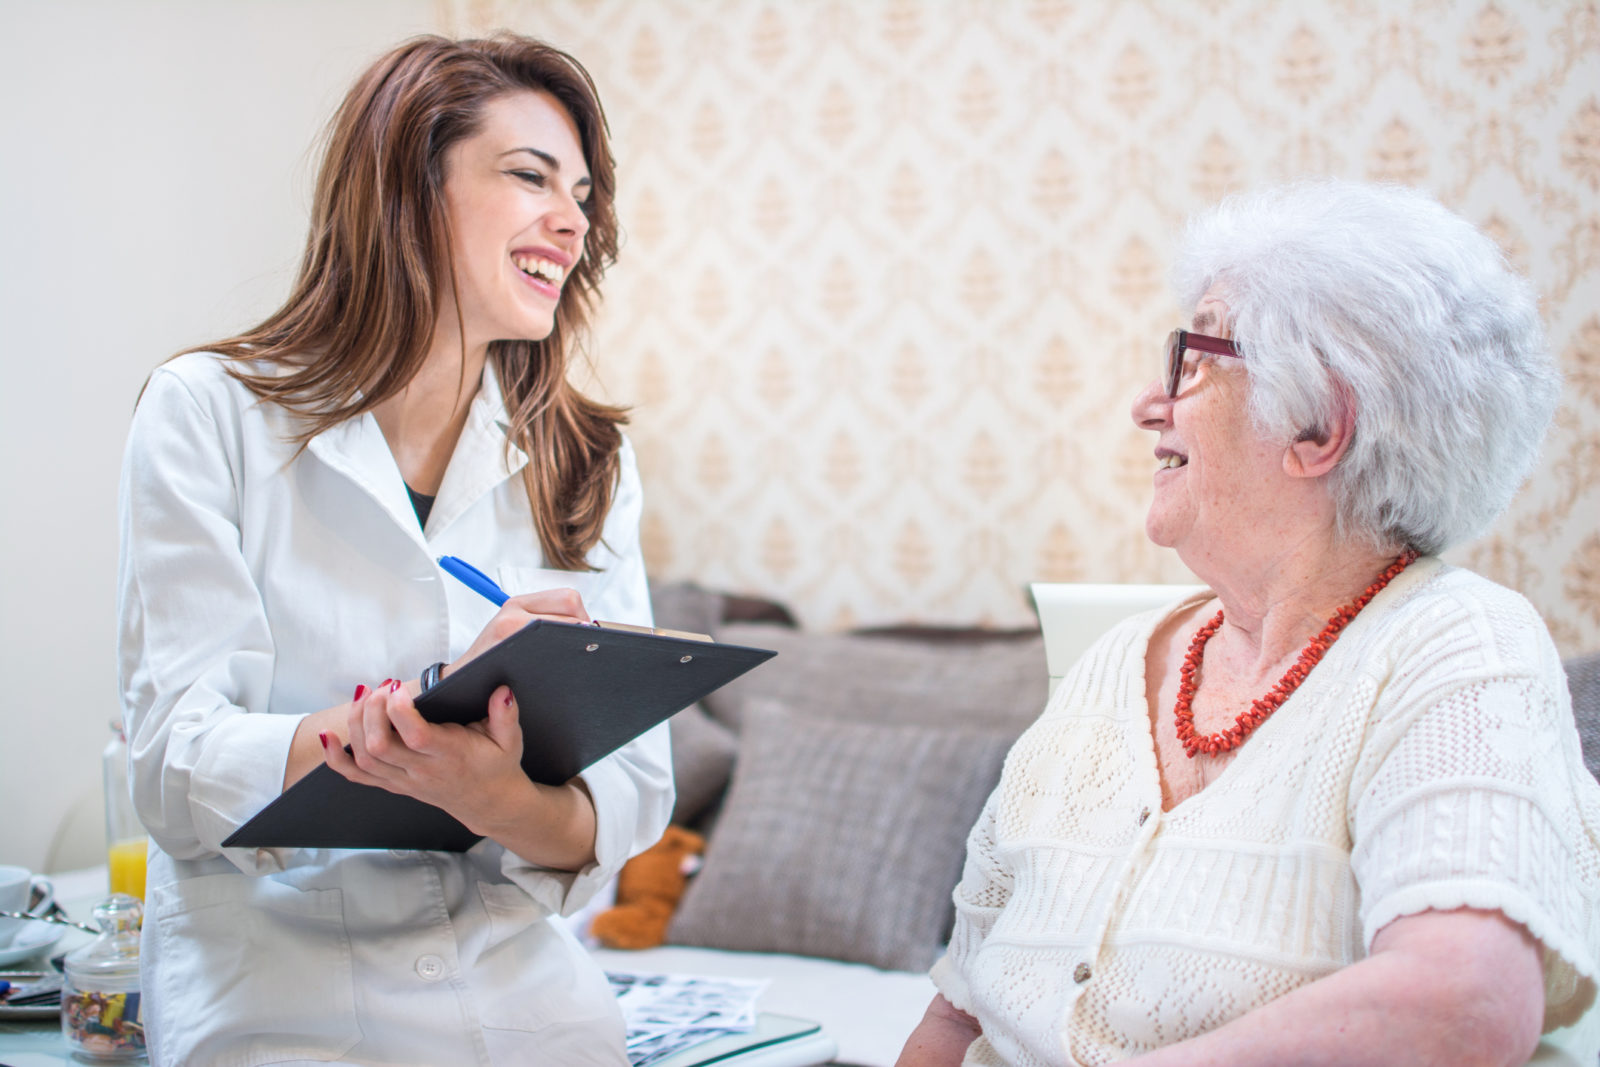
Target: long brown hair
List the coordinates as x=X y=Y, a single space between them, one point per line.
x=357 y=324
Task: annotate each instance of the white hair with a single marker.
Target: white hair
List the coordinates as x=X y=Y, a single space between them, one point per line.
x=1376 y=298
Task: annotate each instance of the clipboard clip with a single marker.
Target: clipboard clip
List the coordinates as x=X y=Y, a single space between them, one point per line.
x=628 y=627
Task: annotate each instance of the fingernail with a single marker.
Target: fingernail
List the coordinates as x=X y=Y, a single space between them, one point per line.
x=323 y=737
x=506 y=700
x=394 y=686
x=385 y=682
x=361 y=691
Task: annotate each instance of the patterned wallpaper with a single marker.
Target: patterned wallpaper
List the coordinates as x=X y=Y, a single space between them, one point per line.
x=895 y=269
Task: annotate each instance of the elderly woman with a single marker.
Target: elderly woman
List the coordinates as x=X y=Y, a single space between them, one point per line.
x=1332 y=810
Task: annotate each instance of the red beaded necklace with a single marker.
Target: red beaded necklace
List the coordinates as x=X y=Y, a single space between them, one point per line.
x=1257 y=713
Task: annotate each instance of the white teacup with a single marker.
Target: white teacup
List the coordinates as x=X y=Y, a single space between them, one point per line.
x=16 y=890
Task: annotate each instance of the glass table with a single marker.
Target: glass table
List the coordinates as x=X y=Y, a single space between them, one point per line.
x=33 y=1039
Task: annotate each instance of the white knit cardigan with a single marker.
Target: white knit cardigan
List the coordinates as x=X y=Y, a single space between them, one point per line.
x=1429 y=761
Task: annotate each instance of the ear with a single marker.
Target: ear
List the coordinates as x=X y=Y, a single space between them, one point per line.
x=1317 y=451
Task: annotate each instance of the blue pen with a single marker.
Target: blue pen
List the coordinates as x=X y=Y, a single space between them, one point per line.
x=473 y=578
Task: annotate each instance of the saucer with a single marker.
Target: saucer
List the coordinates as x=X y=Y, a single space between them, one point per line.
x=19 y=1012
x=35 y=938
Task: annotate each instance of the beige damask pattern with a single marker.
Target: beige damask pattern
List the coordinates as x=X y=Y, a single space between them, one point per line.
x=895 y=268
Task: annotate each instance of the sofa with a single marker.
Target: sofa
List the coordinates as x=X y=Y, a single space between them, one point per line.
x=835 y=785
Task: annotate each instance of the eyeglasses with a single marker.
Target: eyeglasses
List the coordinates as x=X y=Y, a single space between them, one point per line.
x=1179 y=342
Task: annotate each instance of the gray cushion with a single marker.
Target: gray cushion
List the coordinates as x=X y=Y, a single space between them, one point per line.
x=996 y=685
x=702 y=750
x=702 y=761
x=840 y=839
x=1583 y=678
x=686 y=606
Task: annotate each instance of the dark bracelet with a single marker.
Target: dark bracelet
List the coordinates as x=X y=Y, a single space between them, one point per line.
x=431 y=675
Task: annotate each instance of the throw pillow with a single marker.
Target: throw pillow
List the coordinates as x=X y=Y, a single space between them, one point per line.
x=840 y=839
x=1583 y=679
x=702 y=760
x=685 y=606
x=998 y=685
x=702 y=749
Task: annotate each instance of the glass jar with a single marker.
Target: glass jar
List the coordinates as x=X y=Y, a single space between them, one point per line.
x=126 y=841
x=100 y=1009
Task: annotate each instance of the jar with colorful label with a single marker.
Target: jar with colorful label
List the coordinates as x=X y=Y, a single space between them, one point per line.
x=100 y=1010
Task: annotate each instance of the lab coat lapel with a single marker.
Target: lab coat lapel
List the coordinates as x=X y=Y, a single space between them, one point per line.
x=483 y=457
x=356 y=448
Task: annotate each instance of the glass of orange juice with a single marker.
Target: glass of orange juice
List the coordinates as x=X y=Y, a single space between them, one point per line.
x=127 y=866
x=126 y=841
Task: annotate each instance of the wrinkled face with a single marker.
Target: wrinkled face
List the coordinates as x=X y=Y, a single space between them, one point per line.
x=514 y=195
x=1218 y=482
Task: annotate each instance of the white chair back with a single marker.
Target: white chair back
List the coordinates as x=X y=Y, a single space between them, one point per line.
x=1073 y=615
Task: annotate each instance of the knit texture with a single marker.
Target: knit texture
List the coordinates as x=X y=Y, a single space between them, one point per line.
x=826 y=821
x=1429 y=762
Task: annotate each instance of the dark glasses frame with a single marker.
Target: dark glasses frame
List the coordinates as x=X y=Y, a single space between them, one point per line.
x=1180 y=341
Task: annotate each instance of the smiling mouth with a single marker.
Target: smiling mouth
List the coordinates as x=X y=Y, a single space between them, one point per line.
x=542 y=269
x=1173 y=460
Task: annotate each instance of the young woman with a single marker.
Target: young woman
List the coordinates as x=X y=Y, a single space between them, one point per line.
x=285 y=495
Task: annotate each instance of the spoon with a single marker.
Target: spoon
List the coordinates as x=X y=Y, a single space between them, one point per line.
x=59 y=920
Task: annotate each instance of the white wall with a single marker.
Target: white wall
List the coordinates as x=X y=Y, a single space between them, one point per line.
x=895 y=269
x=155 y=169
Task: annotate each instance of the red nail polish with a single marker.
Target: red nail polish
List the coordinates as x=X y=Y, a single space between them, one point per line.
x=386 y=681
x=394 y=686
x=323 y=737
x=361 y=691
x=506 y=700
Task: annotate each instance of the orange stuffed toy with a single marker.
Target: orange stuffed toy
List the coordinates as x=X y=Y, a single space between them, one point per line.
x=648 y=889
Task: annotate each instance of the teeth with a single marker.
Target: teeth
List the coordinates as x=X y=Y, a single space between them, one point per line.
x=1172 y=461
x=540 y=268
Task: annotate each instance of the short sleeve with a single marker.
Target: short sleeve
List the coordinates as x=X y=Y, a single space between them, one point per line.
x=1477 y=798
x=980 y=896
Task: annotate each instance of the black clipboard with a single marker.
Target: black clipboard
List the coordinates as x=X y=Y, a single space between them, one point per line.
x=582 y=692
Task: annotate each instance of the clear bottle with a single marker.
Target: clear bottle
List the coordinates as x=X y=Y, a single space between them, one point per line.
x=126 y=841
x=101 y=1015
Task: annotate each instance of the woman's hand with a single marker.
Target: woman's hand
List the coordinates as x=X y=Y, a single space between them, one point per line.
x=941 y=1039
x=462 y=769
x=474 y=772
x=557 y=605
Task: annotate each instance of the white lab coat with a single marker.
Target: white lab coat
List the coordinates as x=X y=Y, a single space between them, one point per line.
x=256 y=585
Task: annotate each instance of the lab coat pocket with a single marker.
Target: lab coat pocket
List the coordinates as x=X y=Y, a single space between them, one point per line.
x=254 y=971
x=519 y=580
x=549 y=978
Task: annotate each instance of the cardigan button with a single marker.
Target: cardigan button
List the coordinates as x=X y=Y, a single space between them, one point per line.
x=1080 y=973
x=430 y=968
